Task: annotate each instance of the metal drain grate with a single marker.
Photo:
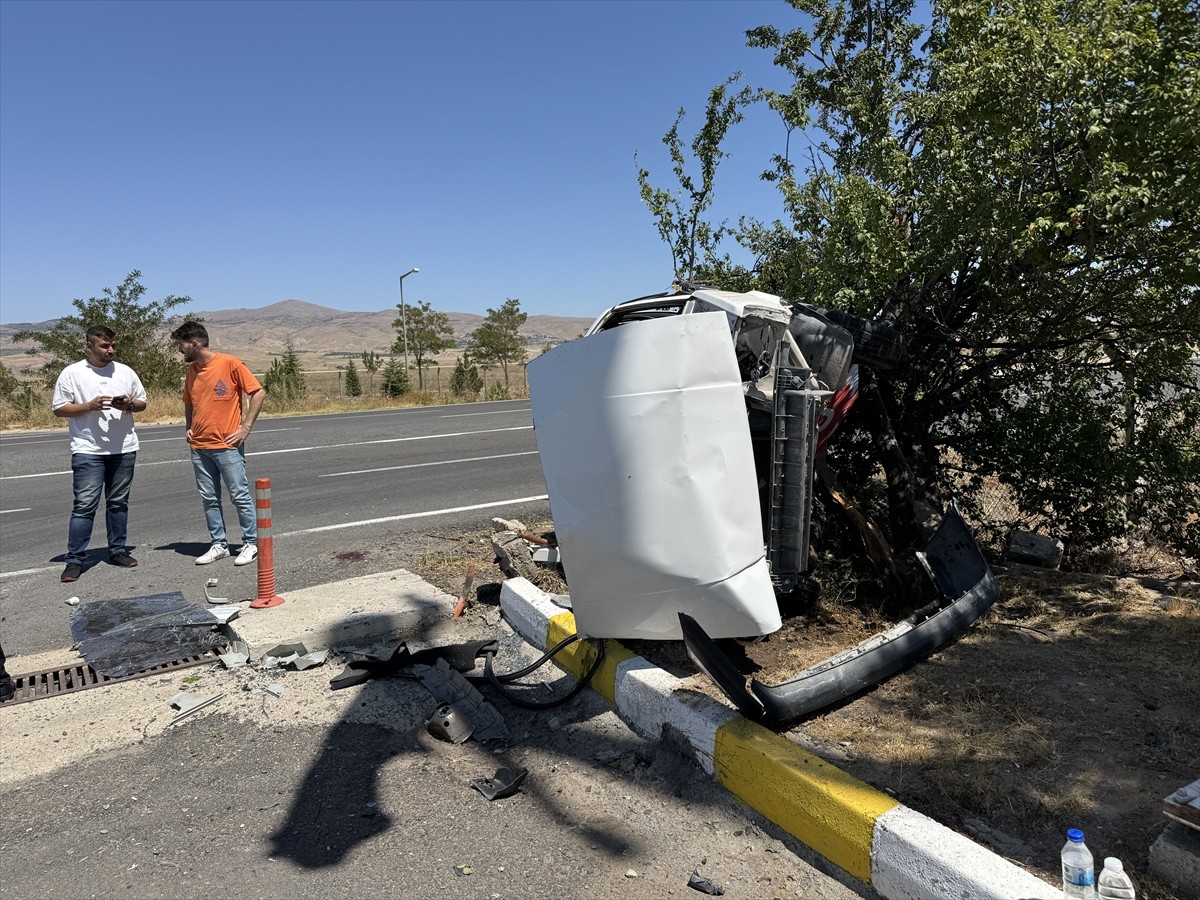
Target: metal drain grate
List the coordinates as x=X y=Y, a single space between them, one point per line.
x=80 y=677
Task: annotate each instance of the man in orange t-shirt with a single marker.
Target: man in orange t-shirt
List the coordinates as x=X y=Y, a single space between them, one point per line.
x=217 y=428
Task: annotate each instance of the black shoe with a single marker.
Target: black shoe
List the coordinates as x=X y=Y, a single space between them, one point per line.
x=124 y=560
x=7 y=688
x=72 y=572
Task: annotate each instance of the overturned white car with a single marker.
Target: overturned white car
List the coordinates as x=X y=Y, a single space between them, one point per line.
x=679 y=440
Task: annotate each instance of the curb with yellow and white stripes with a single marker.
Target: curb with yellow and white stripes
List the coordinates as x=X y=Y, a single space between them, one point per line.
x=900 y=853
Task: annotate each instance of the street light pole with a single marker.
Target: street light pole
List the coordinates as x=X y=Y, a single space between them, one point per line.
x=404 y=313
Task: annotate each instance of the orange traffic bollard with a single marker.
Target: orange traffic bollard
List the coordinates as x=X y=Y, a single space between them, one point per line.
x=266 y=548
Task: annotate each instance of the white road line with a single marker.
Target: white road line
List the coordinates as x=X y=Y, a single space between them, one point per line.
x=423 y=437
x=141 y=440
x=419 y=515
x=497 y=412
x=22 y=509
x=27 y=572
x=442 y=462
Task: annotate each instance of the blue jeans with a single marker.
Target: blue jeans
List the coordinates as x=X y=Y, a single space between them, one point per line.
x=93 y=473
x=229 y=466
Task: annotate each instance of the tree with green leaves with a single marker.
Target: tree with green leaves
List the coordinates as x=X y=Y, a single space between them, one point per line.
x=353 y=385
x=498 y=340
x=10 y=385
x=142 y=328
x=465 y=380
x=395 y=381
x=679 y=213
x=429 y=333
x=371 y=362
x=1016 y=188
x=284 y=378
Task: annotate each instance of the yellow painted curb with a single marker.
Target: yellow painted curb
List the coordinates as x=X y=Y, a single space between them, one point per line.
x=818 y=803
x=579 y=656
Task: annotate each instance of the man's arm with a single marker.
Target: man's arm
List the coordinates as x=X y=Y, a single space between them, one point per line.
x=187 y=421
x=70 y=410
x=256 y=401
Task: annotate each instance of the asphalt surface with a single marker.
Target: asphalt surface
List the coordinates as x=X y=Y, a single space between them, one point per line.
x=349 y=492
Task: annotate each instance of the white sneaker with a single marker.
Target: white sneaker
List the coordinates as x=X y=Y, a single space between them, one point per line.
x=215 y=552
x=248 y=555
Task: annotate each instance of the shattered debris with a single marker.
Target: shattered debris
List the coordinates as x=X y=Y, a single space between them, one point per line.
x=504 y=783
x=705 y=885
x=188 y=703
x=294 y=655
x=450 y=687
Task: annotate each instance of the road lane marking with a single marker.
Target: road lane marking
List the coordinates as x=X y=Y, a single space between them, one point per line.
x=423 y=437
x=22 y=509
x=497 y=412
x=442 y=462
x=417 y=515
x=141 y=440
x=28 y=572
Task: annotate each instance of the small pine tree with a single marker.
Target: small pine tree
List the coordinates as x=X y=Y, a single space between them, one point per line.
x=353 y=385
x=465 y=380
x=395 y=380
x=370 y=361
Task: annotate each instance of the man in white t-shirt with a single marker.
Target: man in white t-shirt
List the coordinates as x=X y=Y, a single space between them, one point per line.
x=100 y=396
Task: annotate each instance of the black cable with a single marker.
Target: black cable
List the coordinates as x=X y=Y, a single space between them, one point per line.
x=498 y=681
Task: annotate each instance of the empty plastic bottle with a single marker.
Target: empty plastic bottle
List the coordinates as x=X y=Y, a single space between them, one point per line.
x=1077 y=872
x=1113 y=883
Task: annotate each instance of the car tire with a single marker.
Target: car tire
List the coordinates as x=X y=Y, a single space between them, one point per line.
x=875 y=344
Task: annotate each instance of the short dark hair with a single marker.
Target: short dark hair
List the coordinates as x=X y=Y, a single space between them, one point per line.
x=100 y=331
x=191 y=331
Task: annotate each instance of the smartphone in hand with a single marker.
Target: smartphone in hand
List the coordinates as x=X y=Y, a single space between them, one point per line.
x=119 y=400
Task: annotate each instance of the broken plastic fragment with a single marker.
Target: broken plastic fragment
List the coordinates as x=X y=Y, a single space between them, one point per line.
x=274 y=689
x=294 y=655
x=237 y=655
x=188 y=703
x=225 y=614
x=212 y=583
x=504 y=783
x=449 y=686
x=462 y=870
x=705 y=885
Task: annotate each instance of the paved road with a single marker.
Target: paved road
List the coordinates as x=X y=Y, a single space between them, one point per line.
x=347 y=490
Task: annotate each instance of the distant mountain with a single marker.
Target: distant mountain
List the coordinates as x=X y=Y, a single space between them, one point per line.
x=313 y=330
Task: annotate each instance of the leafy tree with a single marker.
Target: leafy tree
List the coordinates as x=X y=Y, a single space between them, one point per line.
x=142 y=328
x=429 y=333
x=498 y=339
x=284 y=378
x=465 y=380
x=680 y=214
x=1016 y=189
x=10 y=385
x=353 y=385
x=371 y=361
x=395 y=380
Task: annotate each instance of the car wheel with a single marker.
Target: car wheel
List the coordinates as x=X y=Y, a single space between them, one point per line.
x=875 y=344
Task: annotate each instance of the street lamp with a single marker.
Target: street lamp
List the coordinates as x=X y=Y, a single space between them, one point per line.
x=404 y=313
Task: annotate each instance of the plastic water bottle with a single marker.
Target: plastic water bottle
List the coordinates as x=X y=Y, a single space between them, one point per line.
x=1113 y=883
x=1078 y=874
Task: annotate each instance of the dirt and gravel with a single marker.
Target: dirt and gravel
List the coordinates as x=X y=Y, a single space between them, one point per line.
x=1071 y=704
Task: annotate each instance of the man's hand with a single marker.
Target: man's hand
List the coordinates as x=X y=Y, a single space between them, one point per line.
x=97 y=403
x=238 y=437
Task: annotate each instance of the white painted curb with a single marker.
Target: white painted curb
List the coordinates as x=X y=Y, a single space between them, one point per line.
x=912 y=857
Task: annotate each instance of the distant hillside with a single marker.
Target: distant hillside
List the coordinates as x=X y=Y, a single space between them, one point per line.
x=315 y=331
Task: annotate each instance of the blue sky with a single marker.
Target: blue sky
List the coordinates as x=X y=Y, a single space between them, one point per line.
x=246 y=153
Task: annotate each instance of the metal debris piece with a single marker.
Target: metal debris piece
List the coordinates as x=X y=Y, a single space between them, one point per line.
x=274 y=689
x=225 y=614
x=704 y=885
x=504 y=783
x=212 y=583
x=237 y=655
x=188 y=703
x=448 y=686
x=295 y=655
x=450 y=724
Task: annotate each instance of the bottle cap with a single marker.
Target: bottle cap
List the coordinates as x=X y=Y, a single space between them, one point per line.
x=1111 y=862
x=1075 y=836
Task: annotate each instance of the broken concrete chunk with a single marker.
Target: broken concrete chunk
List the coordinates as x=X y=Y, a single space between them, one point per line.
x=1034 y=550
x=514 y=525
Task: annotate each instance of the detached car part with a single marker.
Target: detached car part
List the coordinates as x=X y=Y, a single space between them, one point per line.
x=967 y=588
